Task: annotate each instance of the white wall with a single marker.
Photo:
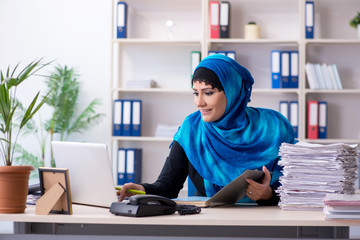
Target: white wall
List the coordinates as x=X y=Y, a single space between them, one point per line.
x=73 y=33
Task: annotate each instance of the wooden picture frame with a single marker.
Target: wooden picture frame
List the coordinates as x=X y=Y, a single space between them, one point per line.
x=55 y=191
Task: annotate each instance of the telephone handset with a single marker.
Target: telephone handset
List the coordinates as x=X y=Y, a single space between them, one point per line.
x=144 y=205
x=149 y=199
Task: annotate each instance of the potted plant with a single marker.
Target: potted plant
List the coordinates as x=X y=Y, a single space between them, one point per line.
x=355 y=23
x=14 y=179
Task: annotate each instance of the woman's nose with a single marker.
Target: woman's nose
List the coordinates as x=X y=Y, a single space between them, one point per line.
x=199 y=101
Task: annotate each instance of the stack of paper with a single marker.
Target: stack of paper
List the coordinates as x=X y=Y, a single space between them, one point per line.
x=310 y=171
x=342 y=206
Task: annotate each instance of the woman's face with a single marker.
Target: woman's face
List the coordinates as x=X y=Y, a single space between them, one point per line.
x=210 y=102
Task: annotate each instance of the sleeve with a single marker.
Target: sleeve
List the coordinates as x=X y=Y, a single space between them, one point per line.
x=172 y=176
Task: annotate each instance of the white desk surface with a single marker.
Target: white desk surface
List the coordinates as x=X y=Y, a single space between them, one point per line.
x=223 y=216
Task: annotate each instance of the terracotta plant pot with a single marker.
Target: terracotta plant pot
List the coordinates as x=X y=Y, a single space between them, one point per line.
x=14 y=182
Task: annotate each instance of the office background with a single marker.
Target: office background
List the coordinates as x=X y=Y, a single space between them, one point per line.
x=73 y=33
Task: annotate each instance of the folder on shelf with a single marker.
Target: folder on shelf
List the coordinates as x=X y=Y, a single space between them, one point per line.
x=126 y=123
x=312 y=122
x=136 y=108
x=214 y=19
x=311 y=76
x=337 y=76
x=319 y=76
x=117 y=117
x=322 y=119
x=121 y=162
x=214 y=52
x=275 y=68
x=309 y=19
x=327 y=77
x=294 y=69
x=224 y=19
x=121 y=21
x=231 y=54
x=332 y=77
x=294 y=117
x=133 y=165
x=194 y=61
x=285 y=69
x=284 y=109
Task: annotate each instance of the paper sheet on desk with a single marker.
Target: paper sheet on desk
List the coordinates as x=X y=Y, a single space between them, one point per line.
x=310 y=171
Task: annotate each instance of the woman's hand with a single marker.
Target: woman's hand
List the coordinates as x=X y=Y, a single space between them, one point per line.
x=123 y=193
x=260 y=191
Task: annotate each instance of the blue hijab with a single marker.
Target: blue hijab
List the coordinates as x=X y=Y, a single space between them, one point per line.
x=243 y=138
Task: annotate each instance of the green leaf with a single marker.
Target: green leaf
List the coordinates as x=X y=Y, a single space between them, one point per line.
x=30 y=112
x=5 y=103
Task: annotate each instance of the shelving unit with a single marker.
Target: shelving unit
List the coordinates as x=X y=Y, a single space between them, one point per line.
x=151 y=51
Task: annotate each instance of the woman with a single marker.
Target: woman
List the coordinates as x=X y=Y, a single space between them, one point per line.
x=224 y=138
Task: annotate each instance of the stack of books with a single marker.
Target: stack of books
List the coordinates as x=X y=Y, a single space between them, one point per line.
x=342 y=206
x=323 y=76
x=311 y=171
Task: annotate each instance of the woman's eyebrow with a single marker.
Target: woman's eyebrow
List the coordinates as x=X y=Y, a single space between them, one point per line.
x=203 y=89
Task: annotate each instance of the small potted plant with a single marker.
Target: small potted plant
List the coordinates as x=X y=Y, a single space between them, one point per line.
x=355 y=23
x=14 y=179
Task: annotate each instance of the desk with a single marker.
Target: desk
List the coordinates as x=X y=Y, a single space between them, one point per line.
x=234 y=221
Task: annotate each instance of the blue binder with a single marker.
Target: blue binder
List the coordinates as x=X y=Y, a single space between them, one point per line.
x=294 y=69
x=136 y=109
x=121 y=21
x=133 y=165
x=126 y=122
x=285 y=69
x=230 y=54
x=275 y=68
x=309 y=19
x=322 y=119
x=117 y=117
x=121 y=162
x=294 y=117
x=217 y=52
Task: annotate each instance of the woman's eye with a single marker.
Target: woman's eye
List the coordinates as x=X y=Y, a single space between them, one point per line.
x=209 y=93
x=195 y=93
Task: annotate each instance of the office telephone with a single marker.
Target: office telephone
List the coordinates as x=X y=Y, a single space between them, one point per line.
x=144 y=205
x=150 y=205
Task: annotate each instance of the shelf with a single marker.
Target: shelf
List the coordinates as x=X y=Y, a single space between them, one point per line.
x=152 y=54
x=256 y=41
x=276 y=91
x=153 y=90
x=153 y=41
x=333 y=41
x=332 y=91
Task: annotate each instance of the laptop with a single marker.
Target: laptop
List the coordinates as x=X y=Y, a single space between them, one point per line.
x=91 y=178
